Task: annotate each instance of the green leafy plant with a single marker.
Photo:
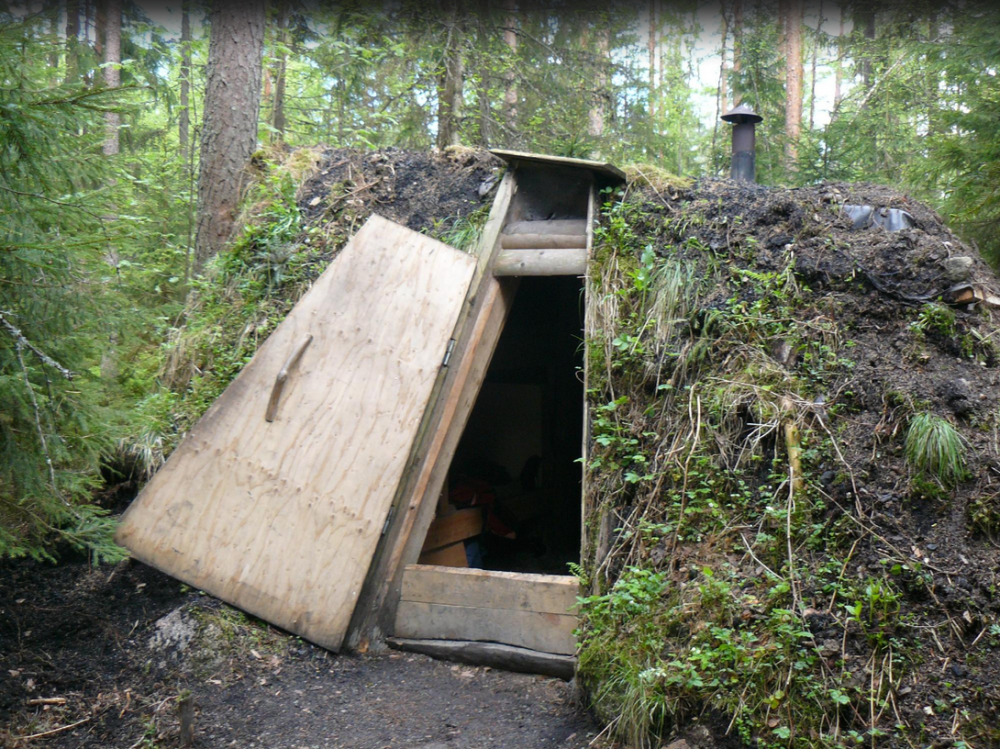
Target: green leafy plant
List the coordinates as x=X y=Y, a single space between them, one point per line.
x=935 y=319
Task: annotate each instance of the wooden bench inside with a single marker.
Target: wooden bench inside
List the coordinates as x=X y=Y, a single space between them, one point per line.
x=445 y=541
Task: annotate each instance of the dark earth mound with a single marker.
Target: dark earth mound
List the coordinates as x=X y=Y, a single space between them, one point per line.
x=852 y=333
x=424 y=191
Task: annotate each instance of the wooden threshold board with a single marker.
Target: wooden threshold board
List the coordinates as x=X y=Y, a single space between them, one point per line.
x=492 y=654
x=521 y=610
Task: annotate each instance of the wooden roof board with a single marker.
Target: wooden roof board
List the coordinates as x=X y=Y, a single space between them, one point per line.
x=598 y=167
x=281 y=519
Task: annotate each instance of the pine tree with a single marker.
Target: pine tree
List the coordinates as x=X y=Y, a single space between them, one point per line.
x=451 y=77
x=793 y=81
x=229 y=130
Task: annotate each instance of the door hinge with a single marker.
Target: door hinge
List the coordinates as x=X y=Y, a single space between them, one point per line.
x=388 y=519
x=447 y=354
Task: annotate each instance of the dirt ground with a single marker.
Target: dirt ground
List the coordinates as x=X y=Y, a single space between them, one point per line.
x=424 y=191
x=113 y=648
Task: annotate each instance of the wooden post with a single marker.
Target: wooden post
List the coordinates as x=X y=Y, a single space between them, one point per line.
x=185 y=715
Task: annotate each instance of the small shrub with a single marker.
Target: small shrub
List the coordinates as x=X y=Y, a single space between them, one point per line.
x=934 y=447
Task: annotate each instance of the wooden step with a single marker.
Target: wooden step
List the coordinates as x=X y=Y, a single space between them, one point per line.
x=509 y=608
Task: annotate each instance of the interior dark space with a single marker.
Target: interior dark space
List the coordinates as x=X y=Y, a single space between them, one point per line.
x=518 y=458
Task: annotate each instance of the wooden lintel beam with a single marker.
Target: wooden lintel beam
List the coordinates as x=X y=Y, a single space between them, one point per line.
x=544 y=241
x=541 y=263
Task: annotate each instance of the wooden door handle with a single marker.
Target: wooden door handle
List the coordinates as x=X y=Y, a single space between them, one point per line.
x=282 y=378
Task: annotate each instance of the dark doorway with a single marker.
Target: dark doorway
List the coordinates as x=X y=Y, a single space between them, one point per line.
x=518 y=458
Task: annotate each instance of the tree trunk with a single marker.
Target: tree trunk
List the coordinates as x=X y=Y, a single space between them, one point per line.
x=838 y=74
x=933 y=89
x=783 y=37
x=278 y=119
x=720 y=96
x=595 y=124
x=52 y=11
x=510 y=71
x=486 y=130
x=88 y=21
x=229 y=128
x=451 y=81
x=793 y=82
x=72 y=41
x=737 y=48
x=812 y=77
x=651 y=46
x=112 y=69
x=100 y=23
x=723 y=77
x=184 y=119
x=868 y=25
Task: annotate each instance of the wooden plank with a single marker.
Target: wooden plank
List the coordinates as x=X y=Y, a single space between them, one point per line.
x=599 y=167
x=487 y=305
x=576 y=226
x=457 y=526
x=541 y=263
x=258 y=514
x=543 y=241
x=493 y=655
x=593 y=207
x=489 y=240
x=549 y=633
x=488 y=589
x=451 y=556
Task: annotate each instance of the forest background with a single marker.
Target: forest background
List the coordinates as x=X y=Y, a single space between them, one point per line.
x=105 y=290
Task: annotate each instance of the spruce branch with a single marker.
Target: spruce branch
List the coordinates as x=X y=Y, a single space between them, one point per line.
x=23 y=342
x=38 y=425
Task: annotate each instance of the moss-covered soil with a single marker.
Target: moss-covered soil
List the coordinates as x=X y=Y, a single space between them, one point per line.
x=793 y=472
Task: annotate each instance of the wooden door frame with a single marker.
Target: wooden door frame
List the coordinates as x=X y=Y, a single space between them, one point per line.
x=488 y=303
x=477 y=332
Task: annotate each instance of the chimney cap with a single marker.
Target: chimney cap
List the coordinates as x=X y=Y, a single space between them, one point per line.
x=742 y=114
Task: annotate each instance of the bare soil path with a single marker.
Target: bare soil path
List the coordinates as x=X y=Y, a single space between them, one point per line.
x=113 y=649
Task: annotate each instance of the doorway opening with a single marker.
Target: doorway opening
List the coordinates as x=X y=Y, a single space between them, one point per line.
x=514 y=483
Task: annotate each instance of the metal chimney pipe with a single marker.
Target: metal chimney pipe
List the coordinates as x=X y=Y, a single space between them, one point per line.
x=744 y=120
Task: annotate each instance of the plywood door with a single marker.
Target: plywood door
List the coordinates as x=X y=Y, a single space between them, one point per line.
x=282 y=518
